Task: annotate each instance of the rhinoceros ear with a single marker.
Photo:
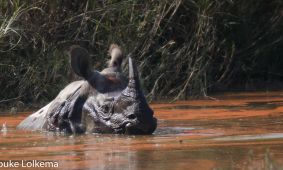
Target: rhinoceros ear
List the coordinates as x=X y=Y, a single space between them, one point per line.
x=80 y=61
x=80 y=64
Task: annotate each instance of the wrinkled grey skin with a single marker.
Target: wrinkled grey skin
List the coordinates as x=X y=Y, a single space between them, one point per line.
x=104 y=102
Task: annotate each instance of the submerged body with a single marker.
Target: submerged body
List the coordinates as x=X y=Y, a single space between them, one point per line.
x=104 y=102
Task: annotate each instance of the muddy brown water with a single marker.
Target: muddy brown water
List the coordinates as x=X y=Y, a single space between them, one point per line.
x=235 y=131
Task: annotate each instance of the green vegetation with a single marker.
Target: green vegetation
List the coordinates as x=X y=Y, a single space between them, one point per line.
x=183 y=47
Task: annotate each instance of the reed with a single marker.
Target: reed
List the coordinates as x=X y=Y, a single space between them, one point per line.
x=184 y=48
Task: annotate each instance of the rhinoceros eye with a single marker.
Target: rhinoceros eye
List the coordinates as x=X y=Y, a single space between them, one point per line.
x=105 y=108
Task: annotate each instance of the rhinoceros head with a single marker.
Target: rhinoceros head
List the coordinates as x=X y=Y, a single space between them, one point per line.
x=132 y=104
x=108 y=103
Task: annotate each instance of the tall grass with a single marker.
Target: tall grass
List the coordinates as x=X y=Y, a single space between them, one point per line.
x=183 y=47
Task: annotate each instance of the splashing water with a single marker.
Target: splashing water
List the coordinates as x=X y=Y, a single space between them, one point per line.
x=4 y=128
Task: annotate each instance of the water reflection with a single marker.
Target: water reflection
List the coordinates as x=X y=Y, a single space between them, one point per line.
x=270 y=136
x=266 y=105
x=242 y=131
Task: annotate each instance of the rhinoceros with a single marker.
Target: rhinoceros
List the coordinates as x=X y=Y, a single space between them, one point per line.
x=103 y=102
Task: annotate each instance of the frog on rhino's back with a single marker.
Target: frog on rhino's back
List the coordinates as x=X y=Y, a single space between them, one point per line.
x=104 y=102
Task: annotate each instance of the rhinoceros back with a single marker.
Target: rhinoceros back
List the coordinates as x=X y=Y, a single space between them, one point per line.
x=38 y=120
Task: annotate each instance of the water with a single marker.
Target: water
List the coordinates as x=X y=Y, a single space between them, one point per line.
x=236 y=131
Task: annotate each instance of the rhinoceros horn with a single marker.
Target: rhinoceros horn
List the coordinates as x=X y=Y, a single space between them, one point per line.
x=133 y=89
